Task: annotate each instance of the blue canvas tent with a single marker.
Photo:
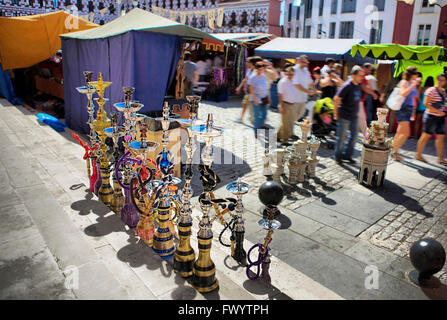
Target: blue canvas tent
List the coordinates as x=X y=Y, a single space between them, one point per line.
x=315 y=49
x=139 y=49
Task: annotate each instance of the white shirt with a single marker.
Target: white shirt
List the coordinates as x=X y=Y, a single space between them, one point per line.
x=325 y=69
x=373 y=81
x=218 y=62
x=202 y=68
x=288 y=90
x=302 y=77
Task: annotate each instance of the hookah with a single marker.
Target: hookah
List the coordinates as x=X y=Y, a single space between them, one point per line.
x=184 y=255
x=236 y=225
x=90 y=148
x=105 y=192
x=204 y=270
x=115 y=132
x=163 y=243
x=270 y=194
x=142 y=175
x=129 y=214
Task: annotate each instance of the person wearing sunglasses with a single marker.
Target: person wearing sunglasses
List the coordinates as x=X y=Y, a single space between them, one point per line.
x=434 y=119
x=259 y=95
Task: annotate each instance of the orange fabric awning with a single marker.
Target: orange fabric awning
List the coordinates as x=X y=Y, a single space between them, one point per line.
x=27 y=40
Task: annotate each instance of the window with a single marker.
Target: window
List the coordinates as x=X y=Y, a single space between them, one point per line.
x=320 y=9
x=298 y=12
x=332 y=27
x=424 y=34
x=244 y=19
x=347 y=30
x=334 y=5
x=426 y=4
x=380 y=4
x=289 y=18
x=320 y=31
x=288 y=32
x=79 y=5
x=427 y=7
x=67 y=3
x=348 y=6
x=375 y=35
x=297 y=32
x=255 y=18
x=308 y=9
x=307 y=32
x=90 y=6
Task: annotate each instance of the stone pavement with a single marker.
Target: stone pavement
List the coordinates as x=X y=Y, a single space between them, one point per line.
x=52 y=225
x=327 y=240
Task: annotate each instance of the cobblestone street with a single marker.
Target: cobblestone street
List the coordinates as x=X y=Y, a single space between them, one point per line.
x=410 y=218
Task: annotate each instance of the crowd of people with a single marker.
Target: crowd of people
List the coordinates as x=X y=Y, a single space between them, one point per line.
x=353 y=103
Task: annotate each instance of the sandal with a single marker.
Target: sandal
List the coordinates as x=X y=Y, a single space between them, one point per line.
x=421 y=158
x=443 y=163
x=396 y=156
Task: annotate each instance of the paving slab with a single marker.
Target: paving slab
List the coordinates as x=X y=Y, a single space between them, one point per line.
x=332 y=218
x=400 y=173
x=334 y=239
x=28 y=271
x=16 y=223
x=368 y=209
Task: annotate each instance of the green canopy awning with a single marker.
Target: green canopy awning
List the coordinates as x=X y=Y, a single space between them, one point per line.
x=400 y=52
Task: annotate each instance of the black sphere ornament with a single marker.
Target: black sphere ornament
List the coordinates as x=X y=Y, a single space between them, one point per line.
x=270 y=193
x=428 y=257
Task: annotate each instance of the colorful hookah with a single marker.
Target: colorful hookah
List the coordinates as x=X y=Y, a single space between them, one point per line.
x=163 y=243
x=139 y=183
x=270 y=194
x=236 y=225
x=184 y=255
x=204 y=270
x=115 y=132
x=128 y=108
x=105 y=192
x=92 y=146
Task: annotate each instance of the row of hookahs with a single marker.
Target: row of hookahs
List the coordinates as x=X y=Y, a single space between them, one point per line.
x=152 y=202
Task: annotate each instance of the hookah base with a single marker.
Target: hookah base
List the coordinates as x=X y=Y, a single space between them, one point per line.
x=205 y=284
x=130 y=216
x=184 y=262
x=164 y=254
x=240 y=257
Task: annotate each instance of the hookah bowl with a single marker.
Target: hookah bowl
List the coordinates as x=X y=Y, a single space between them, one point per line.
x=239 y=188
x=115 y=132
x=271 y=195
x=105 y=192
x=129 y=110
x=204 y=270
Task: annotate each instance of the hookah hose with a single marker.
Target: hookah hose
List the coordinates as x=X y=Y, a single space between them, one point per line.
x=88 y=150
x=142 y=186
x=126 y=158
x=228 y=225
x=263 y=254
x=209 y=181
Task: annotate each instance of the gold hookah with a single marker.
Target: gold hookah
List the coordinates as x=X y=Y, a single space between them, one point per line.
x=101 y=122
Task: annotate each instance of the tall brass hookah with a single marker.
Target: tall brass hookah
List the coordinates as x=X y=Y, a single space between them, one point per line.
x=105 y=192
x=163 y=243
x=184 y=255
x=204 y=271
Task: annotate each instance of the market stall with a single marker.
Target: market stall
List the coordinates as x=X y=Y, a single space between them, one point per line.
x=139 y=49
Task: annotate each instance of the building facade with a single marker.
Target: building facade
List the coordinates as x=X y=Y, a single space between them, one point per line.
x=420 y=24
x=369 y=20
x=239 y=16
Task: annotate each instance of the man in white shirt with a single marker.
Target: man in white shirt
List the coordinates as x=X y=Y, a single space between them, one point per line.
x=327 y=67
x=202 y=70
x=303 y=81
x=288 y=97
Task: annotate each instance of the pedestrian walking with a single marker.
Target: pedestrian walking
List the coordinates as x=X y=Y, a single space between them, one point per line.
x=327 y=67
x=434 y=119
x=346 y=110
x=304 y=84
x=259 y=96
x=246 y=102
x=408 y=89
x=288 y=97
x=366 y=92
x=329 y=85
x=191 y=74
